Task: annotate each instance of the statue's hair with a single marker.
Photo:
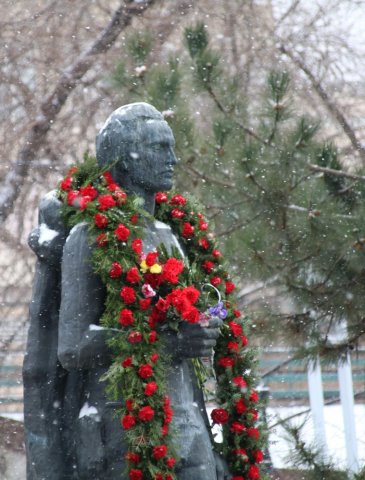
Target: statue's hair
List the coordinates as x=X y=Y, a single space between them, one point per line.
x=122 y=130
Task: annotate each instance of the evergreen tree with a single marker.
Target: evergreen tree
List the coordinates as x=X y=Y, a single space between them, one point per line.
x=283 y=223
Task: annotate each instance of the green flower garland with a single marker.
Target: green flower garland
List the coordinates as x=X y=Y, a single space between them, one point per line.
x=148 y=289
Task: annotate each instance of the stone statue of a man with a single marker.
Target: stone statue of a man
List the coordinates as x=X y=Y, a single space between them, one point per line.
x=140 y=145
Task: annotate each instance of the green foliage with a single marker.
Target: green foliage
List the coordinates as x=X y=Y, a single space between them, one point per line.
x=139 y=46
x=310 y=457
x=196 y=39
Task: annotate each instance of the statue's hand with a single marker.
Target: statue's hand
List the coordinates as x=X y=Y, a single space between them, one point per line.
x=221 y=467
x=193 y=340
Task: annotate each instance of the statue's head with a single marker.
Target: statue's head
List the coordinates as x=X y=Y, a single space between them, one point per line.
x=140 y=144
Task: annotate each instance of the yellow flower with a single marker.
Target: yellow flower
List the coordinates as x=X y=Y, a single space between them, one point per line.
x=144 y=267
x=156 y=268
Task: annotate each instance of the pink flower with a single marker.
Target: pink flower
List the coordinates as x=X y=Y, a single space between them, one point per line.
x=148 y=291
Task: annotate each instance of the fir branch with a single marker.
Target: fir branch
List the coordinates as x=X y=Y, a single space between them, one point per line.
x=337 y=173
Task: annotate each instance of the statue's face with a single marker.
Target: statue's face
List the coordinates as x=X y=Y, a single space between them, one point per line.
x=152 y=160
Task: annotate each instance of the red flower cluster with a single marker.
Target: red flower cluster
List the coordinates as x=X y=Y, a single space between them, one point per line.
x=183 y=301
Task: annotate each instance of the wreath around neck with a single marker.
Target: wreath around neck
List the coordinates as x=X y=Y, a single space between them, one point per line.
x=149 y=290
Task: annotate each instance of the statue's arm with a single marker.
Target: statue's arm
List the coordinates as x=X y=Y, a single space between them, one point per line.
x=81 y=342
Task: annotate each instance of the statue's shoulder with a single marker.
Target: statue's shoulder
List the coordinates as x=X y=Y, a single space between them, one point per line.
x=77 y=237
x=48 y=238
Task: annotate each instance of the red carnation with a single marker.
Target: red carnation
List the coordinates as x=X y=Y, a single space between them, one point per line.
x=159 y=476
x=161 y=197
x=126 y=317
x=108 y=177
x=191 y=293
x=253 y=472
x=254 y=397
x=150 y=389
x=237 y=478
x=176 y=213
x=151 y=258
x=134 y=337
x=237 y=427
x=170 y=462
x=171 y=270
x=137 y=246
x=191 y=315
x=237 y=313
x=144 y=303
x=208 y=266
x=66 y=184
x=72 y=196
x=152 y=336
x=129 y=404
x=240 y=406
x=164 y=430
x=146 y=414
x=241 y=452
x=120 y=196
x=106 y=202
x=127 y=362
x=233 y=346
x=188 y=230
x=253 y=414
x=203 y=243
x=133 y=275
x=216 y=253
x=128 y=421
x=154 y=357
x=116 y=270
x=236 y=328
x=134 y=219
x=162 y=305
x=240 y=382
x=102 y=240
x=89 y=191
x=215 y=281
x=84 y=202
x=159 y=452
x=135 y=474
x=259 y=456
x=226 y=362
x=128 y=295
x=178 y=200
x=133 y=457
x=203 y=225
x=230 y=286
x=145 y=371
x=253 y=433
x=244 y=340
x=219 y=415
x=122 y=232
x=100 y=220
x=112 y=187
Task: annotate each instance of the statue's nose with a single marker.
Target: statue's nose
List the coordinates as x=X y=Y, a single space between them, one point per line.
x=172 y=157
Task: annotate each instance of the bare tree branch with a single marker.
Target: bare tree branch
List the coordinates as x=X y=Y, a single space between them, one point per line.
x=330 y=105
x=52 y=105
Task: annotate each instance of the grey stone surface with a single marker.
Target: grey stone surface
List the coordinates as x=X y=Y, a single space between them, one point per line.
x=70 y=427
